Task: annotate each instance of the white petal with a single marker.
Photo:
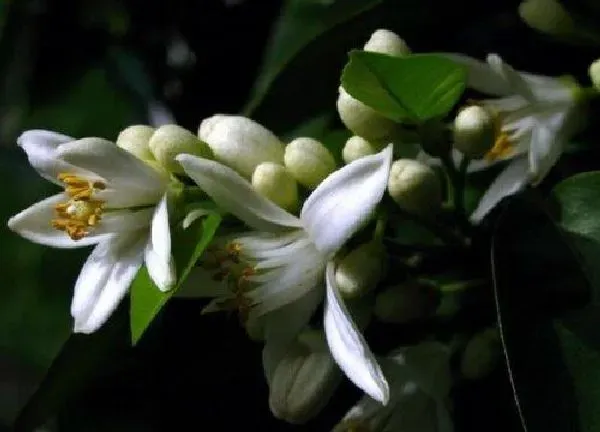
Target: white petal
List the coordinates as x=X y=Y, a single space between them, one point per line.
x=345 y=200
x=34 y=224
x=348 y=347
x=40 y=146
x=510 y=181
x=159 y=261
x=235 y=194
x=513 y=78
x=104 y=280
x=480 y=76
x=193 y=216
x=122 y=170
x=546 y=146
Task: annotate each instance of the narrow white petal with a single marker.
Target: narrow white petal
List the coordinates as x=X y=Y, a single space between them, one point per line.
x=34 y=224
x=158 y=258
x=348 y=347
x=193 y=216
x=104 y=280
x=480 y=76
x=546 y=146
x=510 y=181
x=345 y=200
x=121 y=169
x=235 y=194
x=513 y=78
x=40 y=147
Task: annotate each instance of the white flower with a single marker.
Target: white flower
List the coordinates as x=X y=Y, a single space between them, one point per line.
x=111 y=199
x=535 y=117
x=420 y=382
x=284 y=262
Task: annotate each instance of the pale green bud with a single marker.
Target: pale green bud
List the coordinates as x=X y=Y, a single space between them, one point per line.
x=134 y=139
x=357 y=147
x=363 y=120
x=415 y=187
x=405 y=302
x=240 y=143
x=547 y=16
x=481 y=354
x=474 y=131
x=308 y=161
x=361 y=270
x=274 y=182
x=171 y=140
x=387 y=42
x=594 y=73
x=303 y=382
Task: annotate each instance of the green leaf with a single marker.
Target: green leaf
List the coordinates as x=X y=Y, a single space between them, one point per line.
x=81 y=359
x=539 y=287
x=416 y=88
x=146 y=299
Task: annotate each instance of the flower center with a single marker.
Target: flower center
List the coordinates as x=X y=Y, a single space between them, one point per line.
x=503 y=147
x=80 y=213
x=226 y=266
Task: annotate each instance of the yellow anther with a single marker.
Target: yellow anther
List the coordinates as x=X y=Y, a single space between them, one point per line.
x=80 y=213
x=233 y=249
x=503 y=147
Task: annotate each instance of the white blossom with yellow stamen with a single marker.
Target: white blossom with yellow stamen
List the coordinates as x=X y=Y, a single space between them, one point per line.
x=111 y=199
x=290 y=259
x=536 y=115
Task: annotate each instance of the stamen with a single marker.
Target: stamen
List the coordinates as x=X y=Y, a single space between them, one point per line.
x=503 y=147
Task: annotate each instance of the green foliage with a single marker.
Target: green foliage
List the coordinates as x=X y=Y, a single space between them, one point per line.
x=188 y=244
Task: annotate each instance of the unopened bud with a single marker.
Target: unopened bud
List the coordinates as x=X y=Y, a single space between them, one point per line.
x=171 y=140
x=134 y=139
x=405 y=302
x=547 y=16
x=363 y=120
x=308 y=161
x=357 y=147
x=275 y=183
x=415 y=187
x=481 y=354
x=240 y=143
x=302 y=384
x=361 y=270
x=387 y=42
x=594 y=73
x=474 y=131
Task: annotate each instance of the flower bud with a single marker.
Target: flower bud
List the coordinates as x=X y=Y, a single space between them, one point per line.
x=415 y=187
x=405 y=302
x=134 y=139
x=308 y=161
x=240 y=143
x=361 y=270
x=547 y=16
x=387 y=42
x=302 y=384
x=481 y=354
x=274 y=182
x=171 y=140
x=594 y=73
x=357 y=147
x=363 y=120
x=474 y=131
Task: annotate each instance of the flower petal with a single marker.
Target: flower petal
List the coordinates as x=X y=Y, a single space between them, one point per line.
x=235 y=194
x=121 y=170
x=480 y=76
x=513 y=79
x=34 y=224
x=348 y=347
x=40 y=147
x=104 y=280
x=510 y=181
x=345 y=200
x=546 y=146
x=158 y=258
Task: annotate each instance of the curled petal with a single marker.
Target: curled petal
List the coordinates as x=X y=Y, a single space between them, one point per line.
x=349 y=348
x=159 y=261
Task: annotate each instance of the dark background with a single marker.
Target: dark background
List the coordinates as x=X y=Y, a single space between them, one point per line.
x=91 y=68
